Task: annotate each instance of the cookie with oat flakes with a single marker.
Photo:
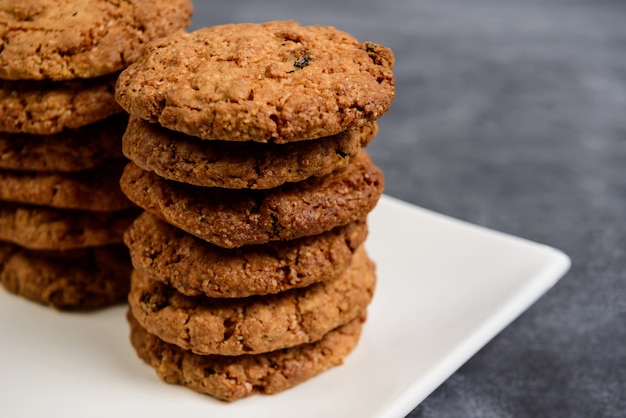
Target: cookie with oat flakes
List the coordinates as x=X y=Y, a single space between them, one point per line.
x=272 y=82
x=233 y=218
x=83 y=279
x=68 y=39
x=230 y=378
x=48 y=107
x=248 y=165
x=255 y=324
x=43 y=228
x=68 y=151
x=96 y=189
x=195 y=267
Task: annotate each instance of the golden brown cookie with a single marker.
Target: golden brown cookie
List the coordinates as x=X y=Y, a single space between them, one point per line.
x=234 y=377
x=272 y=82
x=68 y=280
x=71 y=150
x=195 y=267
x=42 y=228
x=249 y=165
x=47 y=107
x=68 y=39
x=233 y=218
x=255 y=324
x=96 y=189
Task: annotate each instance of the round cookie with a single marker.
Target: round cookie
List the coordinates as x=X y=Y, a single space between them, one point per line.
x=195 y=267
x=71 y=150
x=46 y=107
x=272 y=82
x=42 y=39
x=248 y=165
x=95 y=190
x=67 y=280
x=42 y=228
x=234 y=377
x=233 y=218
x=256 y=324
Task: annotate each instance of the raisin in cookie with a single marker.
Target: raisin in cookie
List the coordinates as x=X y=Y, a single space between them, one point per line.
x=272 y=82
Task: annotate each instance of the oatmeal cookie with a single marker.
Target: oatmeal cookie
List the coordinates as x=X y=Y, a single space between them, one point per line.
x=272 y=82
x=254 y=324
x=61 y=40
x=71 y=150
x=48 y=107
x=195 y=267
x=83 y=279
x=234 y=377
x=248 y=165
x=95 y=190
x=232 y=218
x=42 y=228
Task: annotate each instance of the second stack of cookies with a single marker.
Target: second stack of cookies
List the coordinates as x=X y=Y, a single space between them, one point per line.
x=246 y=146
x=62 y=212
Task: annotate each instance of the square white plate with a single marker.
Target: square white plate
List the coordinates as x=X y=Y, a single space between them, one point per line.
x=445 y=288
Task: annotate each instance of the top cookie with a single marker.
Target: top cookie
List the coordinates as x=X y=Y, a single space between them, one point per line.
x=274 y=82
x=68 y=39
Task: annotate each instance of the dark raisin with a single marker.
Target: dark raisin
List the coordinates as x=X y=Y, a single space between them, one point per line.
x=302 y=62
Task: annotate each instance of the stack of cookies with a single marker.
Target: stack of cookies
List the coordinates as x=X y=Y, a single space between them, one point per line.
x=246 y=147
x=62 y=212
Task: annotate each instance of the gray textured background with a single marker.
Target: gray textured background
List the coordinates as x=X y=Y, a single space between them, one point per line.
x=510 y=114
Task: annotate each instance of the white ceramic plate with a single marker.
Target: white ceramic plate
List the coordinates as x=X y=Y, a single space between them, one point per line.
x=445 y=288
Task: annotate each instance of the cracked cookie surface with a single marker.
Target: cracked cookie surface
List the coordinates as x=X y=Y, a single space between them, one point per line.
x=248 y=165
x=234 y=377
x=68 y=151
x=255 y=324
x=195 y=267
x=96 y=189
x=83 y=279
x=42 y=228
x=232 y=218
x=271 y=82
x=43 y=39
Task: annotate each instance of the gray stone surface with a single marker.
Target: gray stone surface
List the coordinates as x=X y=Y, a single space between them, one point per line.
x=509 y=114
